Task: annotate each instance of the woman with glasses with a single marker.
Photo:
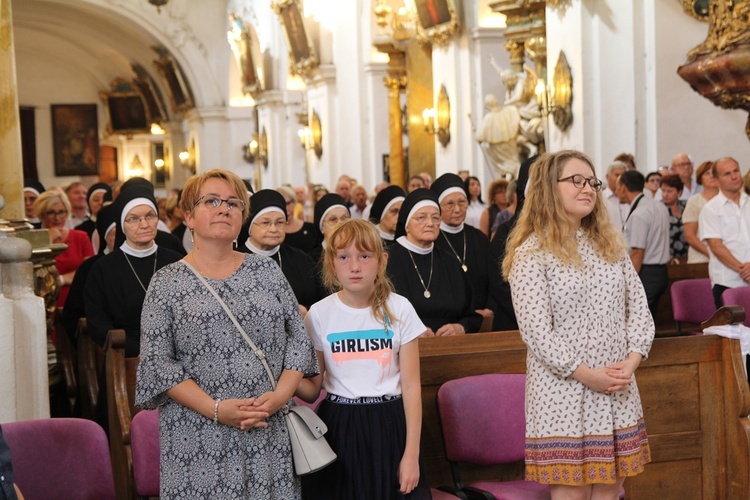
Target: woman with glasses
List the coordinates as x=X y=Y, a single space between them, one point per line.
x=220 y=429
x=267 y=222
x=117 y=282
x=583 y=315
x=430 y=278
x=52 y=208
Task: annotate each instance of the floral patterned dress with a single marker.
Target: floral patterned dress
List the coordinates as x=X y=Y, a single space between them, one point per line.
x=567 y=315
x=186 y=334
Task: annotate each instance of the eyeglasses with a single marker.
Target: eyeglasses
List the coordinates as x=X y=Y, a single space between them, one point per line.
x=56 y=213
x=149 y=218
x=682 y=164
x=213 y=202
x=267 y=224
x=424 y=219
x=451 y=205
x=580 y=181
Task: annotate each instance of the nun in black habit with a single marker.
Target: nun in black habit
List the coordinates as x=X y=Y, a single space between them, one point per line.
x=430 y=278
x=97 y=195
x=74 y=307
x=32 y=188
x=384 y=213
x=117 y=283
x=467 y=244
x=329 y=211
x=268 y=218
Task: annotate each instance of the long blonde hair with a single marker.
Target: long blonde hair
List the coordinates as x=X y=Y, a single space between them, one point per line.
x=544 y=217
x=367 y=239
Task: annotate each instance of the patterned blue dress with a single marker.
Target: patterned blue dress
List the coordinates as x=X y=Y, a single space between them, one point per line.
x=186 y=334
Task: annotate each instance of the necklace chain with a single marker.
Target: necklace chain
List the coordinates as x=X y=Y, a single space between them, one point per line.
x=195 y=263
x=429 y=280
x=136 y=274
x=462 y=260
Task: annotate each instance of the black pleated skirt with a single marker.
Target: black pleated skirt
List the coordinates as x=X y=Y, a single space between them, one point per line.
x=369 y=440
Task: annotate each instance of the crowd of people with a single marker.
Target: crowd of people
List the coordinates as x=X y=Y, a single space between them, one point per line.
x=336 y=286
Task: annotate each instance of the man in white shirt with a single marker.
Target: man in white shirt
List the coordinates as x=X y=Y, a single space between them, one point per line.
x=647 y=236
x=617 y=211
x=359 y=200
x=724 y=224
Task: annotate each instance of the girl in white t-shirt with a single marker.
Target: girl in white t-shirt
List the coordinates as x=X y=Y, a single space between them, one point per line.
x=365 y=336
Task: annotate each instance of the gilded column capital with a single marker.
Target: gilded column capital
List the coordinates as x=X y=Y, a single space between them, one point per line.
x=395 y=83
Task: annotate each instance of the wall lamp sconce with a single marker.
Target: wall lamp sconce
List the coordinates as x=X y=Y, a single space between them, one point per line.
x=311 y=136
x=437 y=120
x=557 y=100
x=257 y=149
x=187 y=158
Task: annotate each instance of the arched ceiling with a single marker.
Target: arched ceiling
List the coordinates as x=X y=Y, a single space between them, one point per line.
x=83 y=35
x=100 y=39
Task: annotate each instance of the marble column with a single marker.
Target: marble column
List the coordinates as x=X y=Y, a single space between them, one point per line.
x=24 y=388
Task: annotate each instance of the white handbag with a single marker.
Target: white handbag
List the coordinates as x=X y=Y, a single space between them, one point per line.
x=310 y=450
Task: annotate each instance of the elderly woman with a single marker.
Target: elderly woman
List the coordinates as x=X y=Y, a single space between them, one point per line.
x=220 y=429
x=268 y=219
x=430 y=278
x=131 y=265
x=52 y=208
x=671 y=189
x=704 y=176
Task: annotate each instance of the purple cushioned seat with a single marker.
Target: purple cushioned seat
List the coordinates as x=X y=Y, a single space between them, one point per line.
x=692 y=301
x=144 y=442
x=60 y=458
x=739 y=296
x=484 y=423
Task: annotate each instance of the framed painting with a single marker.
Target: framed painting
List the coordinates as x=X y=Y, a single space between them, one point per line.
x=145 y=85
x=75 y=139
x=174 y=80
x=437 y=20
x=302 y=58
x=246 y=48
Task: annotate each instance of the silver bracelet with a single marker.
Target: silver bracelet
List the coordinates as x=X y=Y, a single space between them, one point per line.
x=216 y=411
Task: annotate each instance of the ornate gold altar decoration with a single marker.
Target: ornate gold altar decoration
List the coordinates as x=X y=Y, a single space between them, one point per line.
x=696 y=8
x=719 y=68
x=436 y=21
x=316 y=134
x=302 y=58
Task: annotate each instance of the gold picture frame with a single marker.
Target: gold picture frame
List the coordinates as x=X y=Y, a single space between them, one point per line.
x=125 y=109
x=302 y=57
x=246 y=49
x=174 y=79
x=436 y=21
x=316 y=131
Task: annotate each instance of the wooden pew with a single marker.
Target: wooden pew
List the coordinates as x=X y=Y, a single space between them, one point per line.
x=90 y=371
x=121 y=376
x=695 y=398
x=66 y=363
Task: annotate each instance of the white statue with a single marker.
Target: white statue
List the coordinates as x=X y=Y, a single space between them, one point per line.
x=520 y=87
x=498 y=134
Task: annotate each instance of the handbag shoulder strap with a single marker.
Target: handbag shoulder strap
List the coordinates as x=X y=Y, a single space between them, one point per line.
x=258 y=352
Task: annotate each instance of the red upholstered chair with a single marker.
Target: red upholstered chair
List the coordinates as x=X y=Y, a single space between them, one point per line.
x=692 y=302
x=60 y=458
x=483 y=423
x=144 y=443
x=738 y=297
